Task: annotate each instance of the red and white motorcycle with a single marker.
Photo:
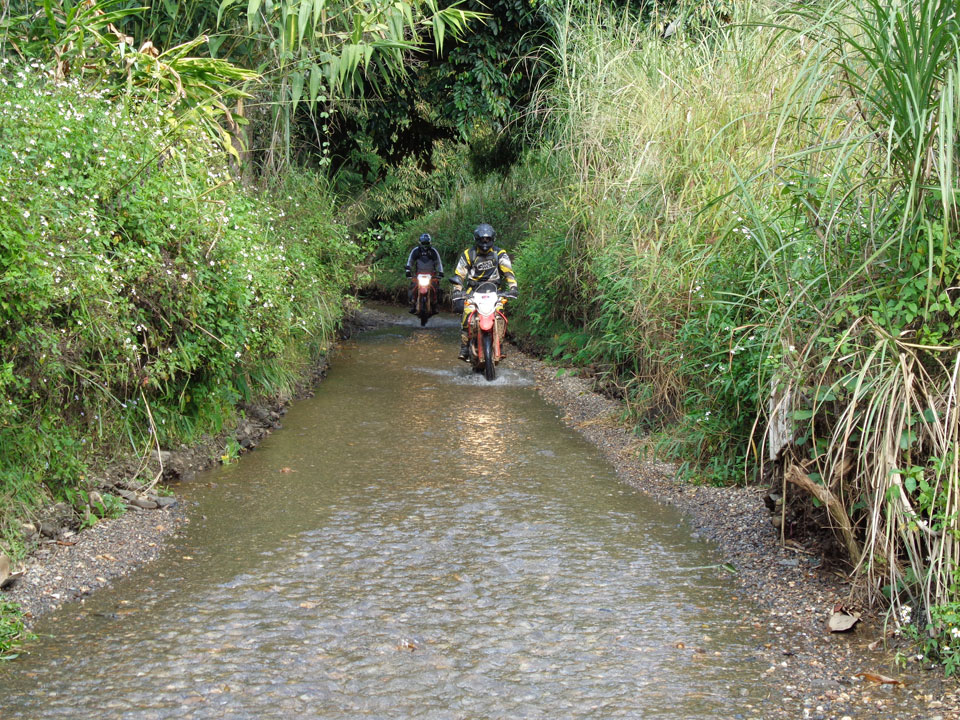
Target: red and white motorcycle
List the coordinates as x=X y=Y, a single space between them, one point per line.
x=486 y=327
x=426 y=296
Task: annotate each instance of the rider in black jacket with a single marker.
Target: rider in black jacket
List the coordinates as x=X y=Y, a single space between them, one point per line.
x=422 y=259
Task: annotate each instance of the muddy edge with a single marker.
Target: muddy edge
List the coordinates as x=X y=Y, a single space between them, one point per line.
x=794 y=594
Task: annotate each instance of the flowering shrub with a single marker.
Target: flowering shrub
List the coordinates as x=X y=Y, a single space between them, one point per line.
x=143 y=291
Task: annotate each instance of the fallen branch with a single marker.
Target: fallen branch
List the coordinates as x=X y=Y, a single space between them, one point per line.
x=796 y=476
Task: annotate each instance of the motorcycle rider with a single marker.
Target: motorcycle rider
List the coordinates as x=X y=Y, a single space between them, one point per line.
x=483 y=262
x=424 y=258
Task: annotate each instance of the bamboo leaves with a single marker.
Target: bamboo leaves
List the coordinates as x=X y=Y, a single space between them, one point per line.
x=316 y=80
x=253 y=7
x=296 y=84
x=317 y=48
x=306 y=10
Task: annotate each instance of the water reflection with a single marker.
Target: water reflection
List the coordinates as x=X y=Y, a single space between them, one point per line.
x=485 y=442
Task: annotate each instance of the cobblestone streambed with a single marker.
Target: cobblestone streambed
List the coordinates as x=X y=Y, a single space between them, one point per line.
x=415 y=543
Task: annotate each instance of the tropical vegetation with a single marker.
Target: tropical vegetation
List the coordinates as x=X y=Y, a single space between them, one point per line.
x=740 y=218
x=753 y=240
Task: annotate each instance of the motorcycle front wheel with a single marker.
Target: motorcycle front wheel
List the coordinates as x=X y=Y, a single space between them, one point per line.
x=489 y=365
x=423 y=309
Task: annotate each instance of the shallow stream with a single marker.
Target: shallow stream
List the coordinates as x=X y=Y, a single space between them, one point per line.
x=414 y=543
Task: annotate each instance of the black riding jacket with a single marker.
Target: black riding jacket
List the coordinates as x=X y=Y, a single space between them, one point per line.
x=421 y=260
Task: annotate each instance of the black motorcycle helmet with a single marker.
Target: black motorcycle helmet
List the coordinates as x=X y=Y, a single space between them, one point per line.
x=483 y=237
x=425 y=241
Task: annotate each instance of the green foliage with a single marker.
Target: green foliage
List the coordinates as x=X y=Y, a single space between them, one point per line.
x=12 y=632
x=108 y=506
x=144 y=292
x=169 y=23
x=81 y=40
x=486 y=78
x=231 y=453
x=408 y=190
x=474 y=92
x=896 y=60
x=689 y=19
x=943 y=637
x=935 y=641
x=319 y=53
x=541 y=261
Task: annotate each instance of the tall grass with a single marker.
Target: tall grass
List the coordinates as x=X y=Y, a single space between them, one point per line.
x=642 y=137
x=750 y=233
x=888 y=365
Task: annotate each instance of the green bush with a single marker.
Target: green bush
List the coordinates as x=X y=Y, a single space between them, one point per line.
x=144 y=292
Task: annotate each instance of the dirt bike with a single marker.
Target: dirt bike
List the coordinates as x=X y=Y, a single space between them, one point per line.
x=426 y=296
x=486 y=326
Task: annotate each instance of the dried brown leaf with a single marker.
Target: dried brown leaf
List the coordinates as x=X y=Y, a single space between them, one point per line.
x=877 y=678
x=842 y=622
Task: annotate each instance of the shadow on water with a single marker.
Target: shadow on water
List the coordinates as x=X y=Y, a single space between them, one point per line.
x=415 y=543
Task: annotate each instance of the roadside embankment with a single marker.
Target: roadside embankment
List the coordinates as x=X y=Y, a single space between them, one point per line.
x=149 y=297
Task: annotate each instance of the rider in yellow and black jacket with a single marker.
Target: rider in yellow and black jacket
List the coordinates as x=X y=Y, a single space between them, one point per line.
x=484 y=262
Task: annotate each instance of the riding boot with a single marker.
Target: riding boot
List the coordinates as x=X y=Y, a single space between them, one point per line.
x=464 y=341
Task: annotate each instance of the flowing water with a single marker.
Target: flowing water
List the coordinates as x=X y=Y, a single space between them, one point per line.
x=415 y=543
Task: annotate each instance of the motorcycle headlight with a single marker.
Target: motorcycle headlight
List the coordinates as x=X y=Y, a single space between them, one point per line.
x=423 y=280
x=486 y=302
